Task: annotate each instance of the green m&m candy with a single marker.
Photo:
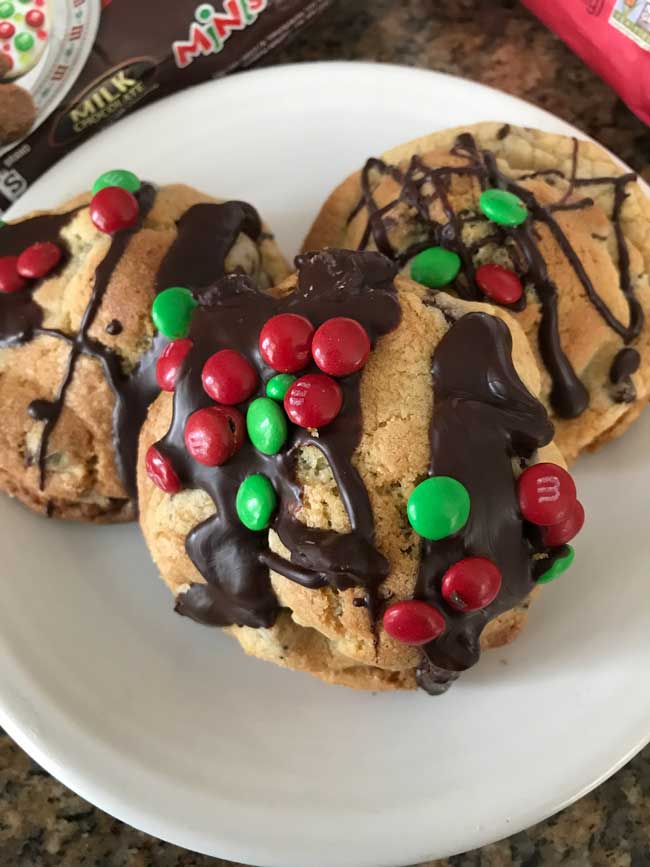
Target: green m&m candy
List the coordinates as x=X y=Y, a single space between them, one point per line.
x=438 y=507
x=172 y=311
x=117 y=178
x=6 y=9
x=266 y=424
x=24 y=42
x=435 y=267
x=278 y=385
x=256 y=501
x=560 y=566
x=503 y=207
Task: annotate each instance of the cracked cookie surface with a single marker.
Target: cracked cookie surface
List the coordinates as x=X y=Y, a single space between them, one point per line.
x=78 y=343
x=589 y=223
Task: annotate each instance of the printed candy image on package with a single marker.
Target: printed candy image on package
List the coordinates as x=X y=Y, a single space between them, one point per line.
x=633 y=18
x=24 y=31
x=70 y=67
x=37 y=38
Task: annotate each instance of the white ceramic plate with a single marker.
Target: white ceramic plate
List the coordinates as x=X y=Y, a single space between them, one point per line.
x=167 y=725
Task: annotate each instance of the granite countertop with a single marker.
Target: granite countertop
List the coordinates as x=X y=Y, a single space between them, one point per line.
x=497 y=42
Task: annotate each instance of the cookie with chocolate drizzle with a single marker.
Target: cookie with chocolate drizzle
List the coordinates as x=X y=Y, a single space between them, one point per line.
x=581 y=257
x=448 y=389
x=77 y=345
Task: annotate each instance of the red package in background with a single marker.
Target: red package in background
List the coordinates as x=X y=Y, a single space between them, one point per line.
x=611 y=36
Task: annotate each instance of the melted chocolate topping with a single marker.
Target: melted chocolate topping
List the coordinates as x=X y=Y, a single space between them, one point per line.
x=624 y=365
x=114 y=327
x=206 y=233
x=205 y=236
x=235 y=561
x=20 y=315
x=569 y=397
x=49 y=411
x=626 y=362
x=484 y=419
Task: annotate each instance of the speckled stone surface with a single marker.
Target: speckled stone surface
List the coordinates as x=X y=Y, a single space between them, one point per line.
x=42 y=824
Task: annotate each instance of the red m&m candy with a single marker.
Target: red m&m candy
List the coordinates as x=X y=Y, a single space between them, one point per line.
x=313 y=400
x=560 y=534
x=38 y=260
x=169 y=363
x=471 y=584
x=547 y=494
x=413 y=622
x=285 y=342
x=114 y=208
x=7 y=29
x=211 y=435
x=35 y=18
x=161 y=472
x=498 y=283
x=228 y=377
x=10 y=279
x=340 y=346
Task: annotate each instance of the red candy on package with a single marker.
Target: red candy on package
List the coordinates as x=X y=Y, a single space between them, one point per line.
x=611 y=36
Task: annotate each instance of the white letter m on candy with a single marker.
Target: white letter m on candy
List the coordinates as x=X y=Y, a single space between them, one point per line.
x=548 y=489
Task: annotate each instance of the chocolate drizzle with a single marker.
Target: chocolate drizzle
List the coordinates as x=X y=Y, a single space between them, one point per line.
x=421 y=186
x=20 y=314
x=484 y=419
x=626 y=362
x=49 y=411
x=235 y=561
x=624 y=365
x=206 y=233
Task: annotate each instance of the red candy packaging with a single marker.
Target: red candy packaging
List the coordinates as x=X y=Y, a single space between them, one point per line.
x=612 y=36
x=70 y=67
